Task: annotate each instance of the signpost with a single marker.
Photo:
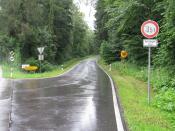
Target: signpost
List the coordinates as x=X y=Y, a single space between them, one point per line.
x=41 y=50
x=124 y=54
x=40 y=56
x=11 y=58
x=150 y=42
x=150 y=29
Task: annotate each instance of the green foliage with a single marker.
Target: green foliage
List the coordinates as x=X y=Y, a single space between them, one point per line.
x=162 y=83
x=165 y=100
x=46 y=66
x=56 y=25
x=108 y=52
x=32 y=61
x=137 y=54
x=82 y=36
x=165 y=56
x=7 y=44
x=127 y=68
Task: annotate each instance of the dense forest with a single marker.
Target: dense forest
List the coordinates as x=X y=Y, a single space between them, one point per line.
x=118 y=28
x=56 y=25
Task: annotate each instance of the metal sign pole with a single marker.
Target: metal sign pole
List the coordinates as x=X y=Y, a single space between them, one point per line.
x=11 y=73
x=12 y=84
x=40 y=66
x=149 y=74
x=110 y=67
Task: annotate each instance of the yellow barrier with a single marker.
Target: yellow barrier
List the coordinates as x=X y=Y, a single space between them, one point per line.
x=31 y=68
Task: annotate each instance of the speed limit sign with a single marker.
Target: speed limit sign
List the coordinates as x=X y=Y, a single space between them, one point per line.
x=150 y=29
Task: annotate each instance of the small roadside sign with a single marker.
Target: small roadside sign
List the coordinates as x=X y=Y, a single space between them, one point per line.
x=12 y=59
x=41 y=49
x=150 y=42
x=12 y=53
x=124 y=54
x=12 y=56
x=150 y=29
x=40 y=57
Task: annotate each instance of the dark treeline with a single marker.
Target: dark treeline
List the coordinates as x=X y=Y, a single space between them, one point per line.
x=55 y=24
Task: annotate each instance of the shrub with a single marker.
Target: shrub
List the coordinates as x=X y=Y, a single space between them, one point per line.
x=109 y=52
x=165 y=100
x=163 y=84
x=46 y=66
x=32 y=62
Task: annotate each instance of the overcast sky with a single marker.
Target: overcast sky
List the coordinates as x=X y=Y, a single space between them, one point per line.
x=87 y=7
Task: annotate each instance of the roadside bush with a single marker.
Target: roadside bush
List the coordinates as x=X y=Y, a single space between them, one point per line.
x=131 y=70
x=46 y=66
x=108 y=52
x=165 y=100
x=162 y=83
x=32 y=62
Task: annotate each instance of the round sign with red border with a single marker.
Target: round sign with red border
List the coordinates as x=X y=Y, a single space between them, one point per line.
x=150 y=29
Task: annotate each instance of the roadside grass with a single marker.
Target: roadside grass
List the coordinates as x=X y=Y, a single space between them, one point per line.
x=133 y=96
x=19 y=74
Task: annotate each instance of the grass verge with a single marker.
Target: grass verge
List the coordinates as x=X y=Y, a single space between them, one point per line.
x=138 y=114
x=18 y=74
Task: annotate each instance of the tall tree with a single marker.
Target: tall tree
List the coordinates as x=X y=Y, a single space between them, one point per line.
x=49 y=23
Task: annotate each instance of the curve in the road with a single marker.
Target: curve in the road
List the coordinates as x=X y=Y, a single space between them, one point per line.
x=80 y=100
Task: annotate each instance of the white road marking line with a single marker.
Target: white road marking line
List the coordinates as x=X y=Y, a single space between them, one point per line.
x=120 y=126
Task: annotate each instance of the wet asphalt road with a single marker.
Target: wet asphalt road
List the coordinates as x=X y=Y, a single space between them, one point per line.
x=80 y=100
x=5 y=104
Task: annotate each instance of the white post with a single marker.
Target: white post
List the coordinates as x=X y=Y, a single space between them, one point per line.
x=62 y=67
x=149 y=75
x=40 y=66
x=11 y=72
x=110 y=67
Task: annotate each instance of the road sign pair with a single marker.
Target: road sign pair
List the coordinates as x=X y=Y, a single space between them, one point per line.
x=12 y=56
x=150 y=29
x=41 y=56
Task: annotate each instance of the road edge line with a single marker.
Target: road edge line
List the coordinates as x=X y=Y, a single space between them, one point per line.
x=118 y=116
